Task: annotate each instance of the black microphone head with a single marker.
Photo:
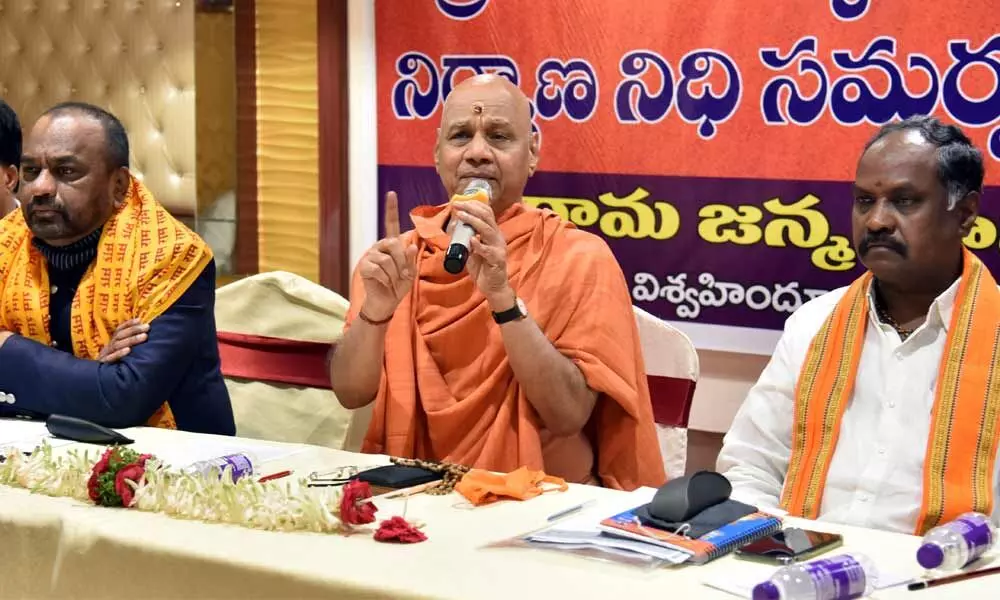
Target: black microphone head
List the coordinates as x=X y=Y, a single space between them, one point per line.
x=455 y=259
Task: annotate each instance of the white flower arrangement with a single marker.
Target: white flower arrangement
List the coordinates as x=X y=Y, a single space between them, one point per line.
x=248 y=503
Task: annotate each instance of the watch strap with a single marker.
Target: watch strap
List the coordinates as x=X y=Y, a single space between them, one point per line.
x=511 y=314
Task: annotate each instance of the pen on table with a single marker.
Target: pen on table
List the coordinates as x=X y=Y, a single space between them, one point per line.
x=569 y=511
x=919 y=585
x=274 y=476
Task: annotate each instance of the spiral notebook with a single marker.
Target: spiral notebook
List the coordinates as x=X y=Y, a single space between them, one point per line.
x=708 y=547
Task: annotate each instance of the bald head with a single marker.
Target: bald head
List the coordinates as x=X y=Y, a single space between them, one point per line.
x=479 y=94
x=486 y=134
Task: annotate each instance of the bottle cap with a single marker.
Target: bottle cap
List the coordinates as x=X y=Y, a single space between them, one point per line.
x=766 y=591
x=930 y=556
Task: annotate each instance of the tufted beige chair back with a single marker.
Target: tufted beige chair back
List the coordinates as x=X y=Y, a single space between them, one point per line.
x=134 y=58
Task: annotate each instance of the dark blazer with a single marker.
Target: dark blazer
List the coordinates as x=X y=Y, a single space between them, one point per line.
x=179 y=363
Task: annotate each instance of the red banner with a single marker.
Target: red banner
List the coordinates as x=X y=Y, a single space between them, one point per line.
x=719 y=125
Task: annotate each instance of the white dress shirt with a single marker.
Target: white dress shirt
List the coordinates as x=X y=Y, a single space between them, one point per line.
x=876 y=475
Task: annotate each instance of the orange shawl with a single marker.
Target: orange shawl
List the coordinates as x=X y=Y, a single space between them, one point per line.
x=448 y=391
x=958 y=465
x=145 y=261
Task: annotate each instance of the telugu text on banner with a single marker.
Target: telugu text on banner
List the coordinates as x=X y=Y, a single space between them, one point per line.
x=712 y=144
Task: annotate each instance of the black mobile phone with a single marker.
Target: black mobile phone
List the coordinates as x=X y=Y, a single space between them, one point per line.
x=790 y=545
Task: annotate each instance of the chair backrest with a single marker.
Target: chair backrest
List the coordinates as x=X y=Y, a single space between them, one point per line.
x=671 y=369
x=276 y=331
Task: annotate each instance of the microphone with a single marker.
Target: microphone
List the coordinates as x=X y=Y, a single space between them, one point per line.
x=458 y=251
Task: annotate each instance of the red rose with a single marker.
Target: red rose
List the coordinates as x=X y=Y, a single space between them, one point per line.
x=92 y=486
x=397 y=529
x=100 y=467
x=133 y=472
x=352 y=510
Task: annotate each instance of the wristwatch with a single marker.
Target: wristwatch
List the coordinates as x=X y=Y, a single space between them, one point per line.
x=518 y=312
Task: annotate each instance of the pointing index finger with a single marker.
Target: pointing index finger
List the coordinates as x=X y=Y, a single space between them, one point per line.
x=391 y=215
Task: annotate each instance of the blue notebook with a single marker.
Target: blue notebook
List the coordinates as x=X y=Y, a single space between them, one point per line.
x=708 y=547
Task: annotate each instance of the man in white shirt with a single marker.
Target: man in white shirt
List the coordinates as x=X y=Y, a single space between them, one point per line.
x=10 y=157
x=880 y=406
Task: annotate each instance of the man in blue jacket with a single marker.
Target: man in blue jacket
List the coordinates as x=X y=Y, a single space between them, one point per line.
x=106 y=301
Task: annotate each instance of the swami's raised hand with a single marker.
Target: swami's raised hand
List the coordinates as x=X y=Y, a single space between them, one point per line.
x=387 y=269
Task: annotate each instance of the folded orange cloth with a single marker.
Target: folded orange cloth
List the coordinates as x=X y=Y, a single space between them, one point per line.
x=483 y=487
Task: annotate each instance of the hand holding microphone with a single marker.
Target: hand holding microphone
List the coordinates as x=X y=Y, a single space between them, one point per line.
x=460 y=247
x=477 y=238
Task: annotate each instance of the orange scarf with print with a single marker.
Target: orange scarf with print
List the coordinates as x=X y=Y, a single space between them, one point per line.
x=958 y=464
x=145 y=261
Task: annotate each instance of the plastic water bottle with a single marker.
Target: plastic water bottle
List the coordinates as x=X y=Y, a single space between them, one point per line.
x=241 y=464
x=955 y=544
x=840 y=577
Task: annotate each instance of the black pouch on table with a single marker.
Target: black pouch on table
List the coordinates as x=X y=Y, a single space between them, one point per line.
x=396 y=477
x=693 y=505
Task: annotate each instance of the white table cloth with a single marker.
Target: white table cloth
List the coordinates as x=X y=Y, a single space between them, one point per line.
x=54 y=547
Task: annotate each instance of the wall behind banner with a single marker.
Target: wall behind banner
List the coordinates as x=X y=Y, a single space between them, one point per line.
x=287 y=137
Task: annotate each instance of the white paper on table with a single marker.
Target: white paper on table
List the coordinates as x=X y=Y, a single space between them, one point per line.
x=605 y=549
x=739 y=577
x=26 y=435
x=582 y=530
